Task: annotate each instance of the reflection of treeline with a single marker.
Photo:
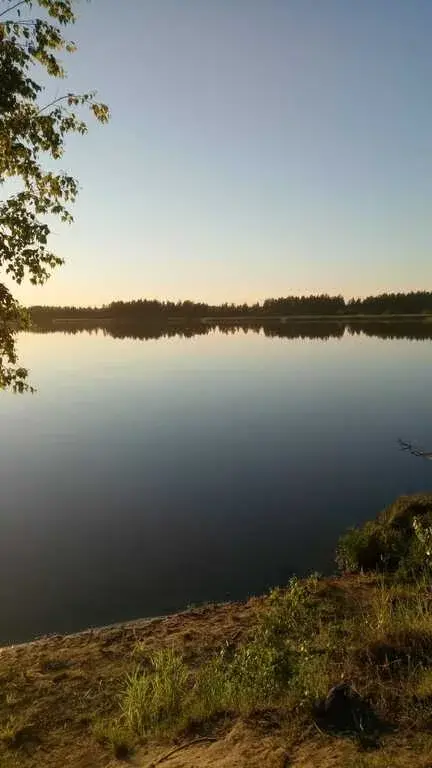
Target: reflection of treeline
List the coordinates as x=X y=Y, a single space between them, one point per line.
x=322 y=330
x=289 y=329
x=419 y=302
x=393 y=329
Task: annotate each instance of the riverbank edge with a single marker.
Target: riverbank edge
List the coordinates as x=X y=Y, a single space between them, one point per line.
x=60 y=694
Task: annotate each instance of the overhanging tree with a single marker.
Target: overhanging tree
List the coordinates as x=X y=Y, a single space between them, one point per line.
x=33 y=131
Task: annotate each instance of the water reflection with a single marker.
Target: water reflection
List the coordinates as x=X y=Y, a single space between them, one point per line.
x=387 y=328
x=142 y=477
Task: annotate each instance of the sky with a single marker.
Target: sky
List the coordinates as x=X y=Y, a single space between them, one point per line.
x=256 y=148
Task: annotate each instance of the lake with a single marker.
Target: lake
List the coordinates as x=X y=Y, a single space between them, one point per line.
x=153 y=472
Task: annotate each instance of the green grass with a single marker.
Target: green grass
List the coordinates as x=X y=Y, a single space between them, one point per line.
x=116 y=736
x=15 y=734
x=152 y=699
x=308 y=637
x=399 y=539
x=167 y=695
x=372 y=631
x=9 y=731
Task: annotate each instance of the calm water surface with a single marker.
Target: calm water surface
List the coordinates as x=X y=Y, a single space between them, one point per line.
x=147 y=475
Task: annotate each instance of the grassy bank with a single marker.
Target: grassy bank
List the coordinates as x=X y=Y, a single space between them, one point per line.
x=325 y=671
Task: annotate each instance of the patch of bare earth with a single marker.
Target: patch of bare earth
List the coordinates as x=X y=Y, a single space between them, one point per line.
x=52 y=690
x=249 y=747
x=242 y=746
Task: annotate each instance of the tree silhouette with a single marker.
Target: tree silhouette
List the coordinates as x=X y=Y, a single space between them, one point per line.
x=33 y=130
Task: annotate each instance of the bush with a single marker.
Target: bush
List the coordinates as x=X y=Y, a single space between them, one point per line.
x=293 y=611
x=400 y=514
x=253 y=678
x=398 y=539
x=370 y=547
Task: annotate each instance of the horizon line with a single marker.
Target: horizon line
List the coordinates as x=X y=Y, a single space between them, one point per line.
x=258 y=302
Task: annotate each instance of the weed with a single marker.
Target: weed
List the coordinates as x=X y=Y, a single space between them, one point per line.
x=11 y=698
x=210 y=689
x=292 y=612
x=400 y=538
x=8 y=732
x=154 y=698
x=15 y=734
x=423 y=685
x=169 y=696
x=312 y=679
x=256 y=675
x=115 y=735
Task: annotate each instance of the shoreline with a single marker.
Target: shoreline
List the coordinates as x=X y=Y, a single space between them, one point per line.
x=251 y=683
x=236 y=318
x=129 y=624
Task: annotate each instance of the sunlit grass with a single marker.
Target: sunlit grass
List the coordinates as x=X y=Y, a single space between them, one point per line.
x=115 y=735
x=305 y=642
x=154 y=697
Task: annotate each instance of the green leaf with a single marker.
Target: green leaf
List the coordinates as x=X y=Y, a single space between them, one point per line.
x=30 y=132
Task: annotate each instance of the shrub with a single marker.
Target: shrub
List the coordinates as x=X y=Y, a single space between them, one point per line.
x=312 y=679
x=293 y=611
x=400 y=514
x=399 y=539
x=255 y=676
x=370 y=547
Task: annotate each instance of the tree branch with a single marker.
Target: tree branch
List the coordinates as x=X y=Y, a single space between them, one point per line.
x=21 y=2
x=51 y=103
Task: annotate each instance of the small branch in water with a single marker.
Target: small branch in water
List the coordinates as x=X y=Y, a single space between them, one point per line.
x=405 y=446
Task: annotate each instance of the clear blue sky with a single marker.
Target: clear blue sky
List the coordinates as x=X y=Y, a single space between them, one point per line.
x=256 y=148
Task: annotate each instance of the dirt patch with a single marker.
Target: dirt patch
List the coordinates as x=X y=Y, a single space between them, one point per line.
x=242 y=747
x=53 y=689
x=58 y=694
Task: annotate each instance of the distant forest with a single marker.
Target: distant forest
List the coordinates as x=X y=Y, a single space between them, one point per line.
x=414 y=303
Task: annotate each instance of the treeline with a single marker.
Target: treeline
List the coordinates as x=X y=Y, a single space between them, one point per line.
x=416 y=302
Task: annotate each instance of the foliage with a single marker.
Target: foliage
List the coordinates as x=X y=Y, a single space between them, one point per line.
x=255 y=675
x=314 y=306
x=423 y=532
x=370 y=547
x=400 y=539
x=115 y=735
x=166 y=696
x=12 y=316
x=376 y=634
x=154 y=696
x=293 y=610
x=273 y=665
x=252 y=678
x=33 y=132
x=401 y=512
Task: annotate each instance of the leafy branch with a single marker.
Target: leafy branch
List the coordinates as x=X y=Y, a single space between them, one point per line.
x=29 y=133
